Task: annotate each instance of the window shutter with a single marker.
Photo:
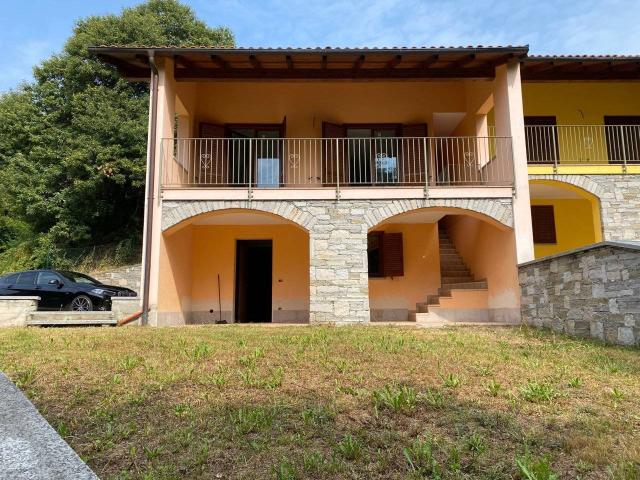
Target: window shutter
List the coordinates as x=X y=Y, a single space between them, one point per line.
x=392 y=255
x=543 y=223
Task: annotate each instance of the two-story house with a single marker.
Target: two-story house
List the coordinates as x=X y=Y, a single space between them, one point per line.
x=382 y=184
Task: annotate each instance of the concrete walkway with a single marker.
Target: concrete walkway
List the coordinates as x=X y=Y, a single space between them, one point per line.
x=30 y=449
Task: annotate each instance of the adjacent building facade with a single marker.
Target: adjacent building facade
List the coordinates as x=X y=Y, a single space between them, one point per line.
x=357 y=185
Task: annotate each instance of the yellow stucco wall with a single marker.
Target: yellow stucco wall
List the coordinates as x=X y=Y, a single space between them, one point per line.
x=574 y=225
x=578 y=220
x=581 y=103
x=421 y=271
x=195 y=255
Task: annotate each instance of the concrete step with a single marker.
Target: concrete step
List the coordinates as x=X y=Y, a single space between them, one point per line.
x=70 y=318
x=422 y=307
x=448 y=280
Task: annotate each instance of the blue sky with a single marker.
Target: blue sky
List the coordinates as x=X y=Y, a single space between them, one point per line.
x=31 y=30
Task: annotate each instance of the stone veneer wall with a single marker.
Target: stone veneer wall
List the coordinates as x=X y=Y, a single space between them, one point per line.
x=619 y=201
x=127 y=276
x=589 y=292
x=339 y=282
x=14 y=310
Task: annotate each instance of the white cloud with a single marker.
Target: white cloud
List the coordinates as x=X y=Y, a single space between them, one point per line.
x=589 y=26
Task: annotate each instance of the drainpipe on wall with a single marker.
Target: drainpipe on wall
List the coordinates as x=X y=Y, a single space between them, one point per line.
x=151 y=169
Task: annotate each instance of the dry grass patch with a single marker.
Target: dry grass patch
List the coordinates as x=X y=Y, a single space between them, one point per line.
x=319 y=402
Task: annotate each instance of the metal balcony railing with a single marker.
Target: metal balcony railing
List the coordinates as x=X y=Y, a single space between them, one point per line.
x=336 y=162
x=583 y=144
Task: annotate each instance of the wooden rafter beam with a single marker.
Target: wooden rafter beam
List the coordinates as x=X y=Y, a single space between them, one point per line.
x=358 y=63
x=125 y=68
x=289 y=62
x=219 y=62
x=183 y=61
x=394 y=62
x=323 y=65
x=501 y=60
x=428 y=62
x=255 y=62
x=337 y=73
x=463 y=61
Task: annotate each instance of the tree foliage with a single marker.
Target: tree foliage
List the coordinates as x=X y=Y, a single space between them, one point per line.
x=73 y=141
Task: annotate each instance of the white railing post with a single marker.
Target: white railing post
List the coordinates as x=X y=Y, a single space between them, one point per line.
x=249 y=190
x=624 y=150
x=426 y=167
x=337 y=160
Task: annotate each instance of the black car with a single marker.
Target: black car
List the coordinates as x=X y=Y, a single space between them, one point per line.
x=62 y=290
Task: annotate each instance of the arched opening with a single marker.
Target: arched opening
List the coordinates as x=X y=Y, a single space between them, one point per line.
x=564 y=217
x=456 y=265
x=235 y=265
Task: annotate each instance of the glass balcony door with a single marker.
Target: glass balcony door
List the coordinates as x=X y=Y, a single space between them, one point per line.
x=372 y=155
x=259 y=151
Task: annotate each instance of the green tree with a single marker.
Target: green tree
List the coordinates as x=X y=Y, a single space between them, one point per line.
x=73 y=141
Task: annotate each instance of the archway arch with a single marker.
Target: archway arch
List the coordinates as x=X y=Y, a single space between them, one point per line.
x=233 y=265
x=498 y=210
x=176 y=212
x=565 y=216
x=457 y=264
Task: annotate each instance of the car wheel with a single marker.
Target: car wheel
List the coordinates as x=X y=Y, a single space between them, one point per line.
x=81 y=303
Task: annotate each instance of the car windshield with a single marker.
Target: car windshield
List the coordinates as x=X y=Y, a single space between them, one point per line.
x=80 y=278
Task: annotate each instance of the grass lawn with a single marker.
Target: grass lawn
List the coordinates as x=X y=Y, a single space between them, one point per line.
x=260 y=402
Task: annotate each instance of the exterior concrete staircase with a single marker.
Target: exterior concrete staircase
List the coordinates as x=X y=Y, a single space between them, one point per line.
x=456 y=280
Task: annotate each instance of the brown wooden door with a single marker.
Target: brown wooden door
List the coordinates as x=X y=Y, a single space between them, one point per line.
x=541 y=139
x=333 y=153
x=623 y=138
x=210 y=154
x=412 y=154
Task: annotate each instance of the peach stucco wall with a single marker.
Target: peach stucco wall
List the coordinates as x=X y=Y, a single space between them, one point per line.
x=174 y=279
x=490 y=254
x=421 y=271
x=194 y=256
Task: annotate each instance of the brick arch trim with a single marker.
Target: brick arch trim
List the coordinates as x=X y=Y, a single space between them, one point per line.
x=175 y=212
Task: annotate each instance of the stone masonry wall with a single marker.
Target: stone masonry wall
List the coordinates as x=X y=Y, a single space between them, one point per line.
x=14 y=310
x=590 y=292
x=619 y=201
x=127 y=276
x=339 y=283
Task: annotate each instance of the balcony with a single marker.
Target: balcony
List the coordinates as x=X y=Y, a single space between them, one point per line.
x=332 y=167
x=591 y=147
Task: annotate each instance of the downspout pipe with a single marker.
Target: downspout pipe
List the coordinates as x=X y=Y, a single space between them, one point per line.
x=151 y=187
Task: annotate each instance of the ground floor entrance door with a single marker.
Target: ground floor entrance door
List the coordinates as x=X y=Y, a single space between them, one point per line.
x=253 y=280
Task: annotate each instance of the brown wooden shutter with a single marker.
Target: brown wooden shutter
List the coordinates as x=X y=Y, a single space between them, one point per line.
x=392 y=255
x=329 y=155
x=411 y=163
x=211 y=155
x=543 y=223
